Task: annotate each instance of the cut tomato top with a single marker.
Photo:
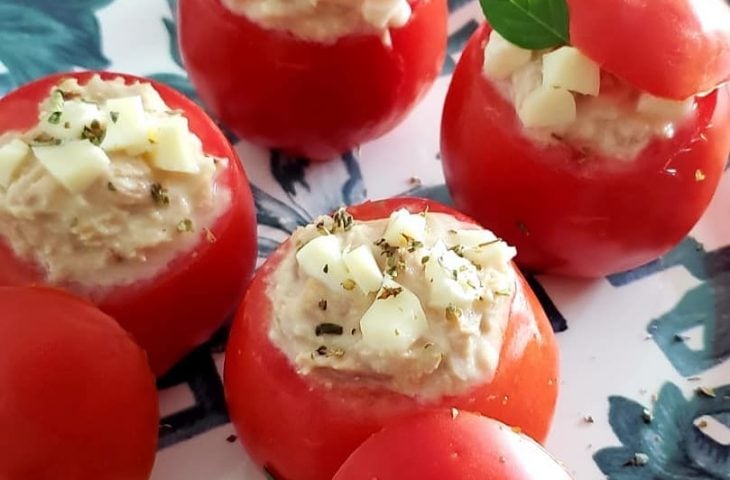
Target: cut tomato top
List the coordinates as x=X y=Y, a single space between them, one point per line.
x=669 y=48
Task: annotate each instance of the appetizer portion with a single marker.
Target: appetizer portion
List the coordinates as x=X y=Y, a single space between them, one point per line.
x=450 y=444
x=577 y=159
x=110 y=180
x=124 y=192
x=384 y=309
x=312 y=78
x=79 y=399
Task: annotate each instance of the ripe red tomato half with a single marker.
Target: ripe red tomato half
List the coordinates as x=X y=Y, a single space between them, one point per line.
x=301 y=429
x=305 y=97
x=78 y=398
x=565 y=210
x=442 y=445
x=189 y=299
x=669 y=48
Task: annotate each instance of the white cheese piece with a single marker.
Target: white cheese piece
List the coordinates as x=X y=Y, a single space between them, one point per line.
x=363 y=269
x=469 y=238
x=395 y=321
x=321 y=258
x=547 y=107
x=497 y=254
x=172 y=148
x=385 y=13
x=12 y=155
x=663 y=108
x=76 y=164
x=68 y=123
x=127 y=127
x=567 y=68
x=453 y=280
x=403 y=227
x=502 y=58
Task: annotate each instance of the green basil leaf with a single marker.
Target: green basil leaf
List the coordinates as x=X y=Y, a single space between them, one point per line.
x=531 y=24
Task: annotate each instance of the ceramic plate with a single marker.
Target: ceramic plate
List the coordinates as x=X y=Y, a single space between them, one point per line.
x=638 y=349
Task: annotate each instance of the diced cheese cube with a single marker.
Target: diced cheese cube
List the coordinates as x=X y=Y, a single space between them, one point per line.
x=126 y=125
x=453 y=280
x=567 y=68
x=69 y=122
x=404 y=227
x=172 y=148
x=76 y=164
x=469 y=238
x=395 y=320
x=12 y=155
x=502 y=58
x=496 y=255
x=386 y=13
x=663 y=108
x=547 y=107
x=321 y=258
x=363 y=269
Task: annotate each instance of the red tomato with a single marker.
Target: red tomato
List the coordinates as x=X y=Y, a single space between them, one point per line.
x=78 y=398
x=184 y=304
x=301 y=429
x=670 y=48
x=567 y=211
x=446 y=445
x=309 y=98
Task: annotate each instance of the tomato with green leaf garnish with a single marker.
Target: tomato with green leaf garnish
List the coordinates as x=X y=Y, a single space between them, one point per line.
x=600 y=152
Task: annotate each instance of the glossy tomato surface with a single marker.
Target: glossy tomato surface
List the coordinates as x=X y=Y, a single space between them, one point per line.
x=568 y=211
x=446 y=445
x=301 y=429
x=189 y=299
x=309 y=98
x=78 y=399
x=670 y=48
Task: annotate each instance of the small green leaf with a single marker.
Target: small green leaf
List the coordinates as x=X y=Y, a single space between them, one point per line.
x=531 y=24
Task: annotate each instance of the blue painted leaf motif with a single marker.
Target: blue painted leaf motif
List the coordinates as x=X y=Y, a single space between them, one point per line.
x=676 y=449
x=39 y=37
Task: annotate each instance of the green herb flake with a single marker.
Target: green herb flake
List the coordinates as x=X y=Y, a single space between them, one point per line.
x=114 y=116
x=185 y=225
x=388 y=292
x=425 y=259
x=322 y=304
x=159 y=194
x=94 y=132
x=111 y=187
x=328 y=329
x=343 y=220
x=529 y=24
x=326 y=268
x=55 y=118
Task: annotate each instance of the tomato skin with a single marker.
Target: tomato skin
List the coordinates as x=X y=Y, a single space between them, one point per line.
x=302 y=429
x=670 y=48
x=309 y=98
x=446 y=444
x=567 y=212
x=79 y=399
x=188 y=301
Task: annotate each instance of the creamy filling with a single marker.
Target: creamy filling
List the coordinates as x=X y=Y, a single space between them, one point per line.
x=325 y=20
x=95 y=206
x=424 y=316
x=561 y=96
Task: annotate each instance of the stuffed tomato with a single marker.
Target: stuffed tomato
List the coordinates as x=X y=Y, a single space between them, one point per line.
x=312 y=78
x=600 y=155
x=124 y=192
x=385 y=309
